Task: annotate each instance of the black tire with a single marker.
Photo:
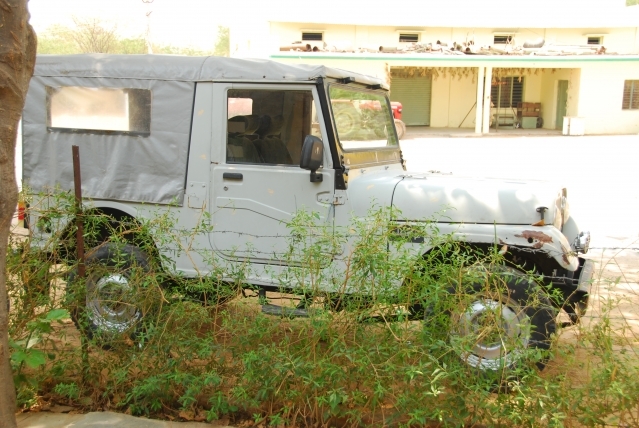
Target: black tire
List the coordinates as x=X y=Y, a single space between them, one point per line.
x=338 y=302
x=502 y=320
x=116 y=295
x=401 y=128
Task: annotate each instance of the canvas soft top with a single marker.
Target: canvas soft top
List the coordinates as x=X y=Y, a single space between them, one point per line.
x=184 y=68
x=147 y=168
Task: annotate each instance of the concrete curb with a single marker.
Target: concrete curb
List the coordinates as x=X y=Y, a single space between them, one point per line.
x=102 y=420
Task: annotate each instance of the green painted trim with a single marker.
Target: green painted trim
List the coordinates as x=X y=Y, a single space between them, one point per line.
x=470 y=58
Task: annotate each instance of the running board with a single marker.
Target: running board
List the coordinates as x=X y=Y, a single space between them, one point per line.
x=282 y=311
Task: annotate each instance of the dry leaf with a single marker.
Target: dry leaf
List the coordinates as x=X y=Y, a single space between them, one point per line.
x=187 y=415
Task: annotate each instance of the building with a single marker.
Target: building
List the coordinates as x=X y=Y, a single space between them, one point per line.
x=533 y=64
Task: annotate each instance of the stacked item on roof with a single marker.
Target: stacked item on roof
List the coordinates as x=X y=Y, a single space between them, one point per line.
x=534 y=47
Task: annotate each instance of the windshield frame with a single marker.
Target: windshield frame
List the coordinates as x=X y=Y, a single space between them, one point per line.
x=372 y=148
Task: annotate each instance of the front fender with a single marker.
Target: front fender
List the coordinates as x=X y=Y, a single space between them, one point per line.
x=544 y=239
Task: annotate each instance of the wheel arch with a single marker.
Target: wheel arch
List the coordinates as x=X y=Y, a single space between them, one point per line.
x=522 y=258
x=119 y=214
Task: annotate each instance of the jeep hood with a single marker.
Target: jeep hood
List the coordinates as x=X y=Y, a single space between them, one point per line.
x=455 y=199
x=458 y=199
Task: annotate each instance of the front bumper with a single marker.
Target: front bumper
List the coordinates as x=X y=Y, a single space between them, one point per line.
x=586 y=273
x=577 y=302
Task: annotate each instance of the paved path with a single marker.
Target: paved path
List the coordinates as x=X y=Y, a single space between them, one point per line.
x=100 y=420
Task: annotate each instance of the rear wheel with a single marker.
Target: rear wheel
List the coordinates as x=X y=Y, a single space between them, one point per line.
x=116 y=295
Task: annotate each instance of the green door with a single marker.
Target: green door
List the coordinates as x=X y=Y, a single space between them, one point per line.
x=414 y=93
x=562 y=102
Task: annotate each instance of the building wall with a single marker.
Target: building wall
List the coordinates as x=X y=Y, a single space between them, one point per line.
x=594 y=88
x=549 y=91
x=601 y=97
x=618 y=40
x=452 y=98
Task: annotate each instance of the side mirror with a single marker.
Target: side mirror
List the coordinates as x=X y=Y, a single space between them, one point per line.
x=312 y=156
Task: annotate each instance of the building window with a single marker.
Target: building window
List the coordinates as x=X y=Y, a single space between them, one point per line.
x=314 y=37
x=409 y=38
x=595 y=40
x=503 y=39
x=99 y=110
x=630 y=95
x=507 y=92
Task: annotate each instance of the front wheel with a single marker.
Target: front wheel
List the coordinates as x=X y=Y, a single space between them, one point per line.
x=501 y=321
x=116 y=294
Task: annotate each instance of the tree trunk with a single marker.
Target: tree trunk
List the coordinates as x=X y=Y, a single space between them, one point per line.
x=17 y=58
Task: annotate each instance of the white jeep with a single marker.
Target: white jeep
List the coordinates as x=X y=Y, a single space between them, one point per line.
x=250 y=143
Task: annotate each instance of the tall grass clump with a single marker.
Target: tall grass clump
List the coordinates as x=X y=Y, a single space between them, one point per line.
x=379 y=344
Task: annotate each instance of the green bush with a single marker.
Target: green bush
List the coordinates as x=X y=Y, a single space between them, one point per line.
x=378 y=350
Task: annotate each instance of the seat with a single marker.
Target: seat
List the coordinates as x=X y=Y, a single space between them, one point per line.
x=271 y=148
x=239 y=147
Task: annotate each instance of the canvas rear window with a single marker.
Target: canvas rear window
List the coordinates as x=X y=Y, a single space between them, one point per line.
x=99 y=110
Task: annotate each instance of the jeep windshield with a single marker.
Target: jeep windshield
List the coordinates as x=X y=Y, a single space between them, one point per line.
x=362 y=118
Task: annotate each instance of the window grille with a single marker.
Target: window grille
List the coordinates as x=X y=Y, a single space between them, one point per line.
x=409 y=38
x=502 y=39
x=507 y=92
x=314 y=37
x=630 y=95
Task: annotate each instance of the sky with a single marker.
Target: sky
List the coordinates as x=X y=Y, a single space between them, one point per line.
x=175 y=22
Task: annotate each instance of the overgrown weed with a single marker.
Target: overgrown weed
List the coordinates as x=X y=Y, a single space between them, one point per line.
x=378 y=352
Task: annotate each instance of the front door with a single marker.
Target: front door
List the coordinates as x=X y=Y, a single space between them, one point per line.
x=260 y=187
x=562 y=103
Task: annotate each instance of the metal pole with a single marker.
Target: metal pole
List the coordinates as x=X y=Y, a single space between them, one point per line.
x=77 y=182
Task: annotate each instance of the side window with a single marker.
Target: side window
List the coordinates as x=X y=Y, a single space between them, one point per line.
x=99 y=110
x=268 y=126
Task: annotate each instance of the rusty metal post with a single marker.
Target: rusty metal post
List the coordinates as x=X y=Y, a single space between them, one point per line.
x=77 y=182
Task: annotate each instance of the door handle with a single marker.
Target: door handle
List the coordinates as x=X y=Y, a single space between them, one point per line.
x=233 y=175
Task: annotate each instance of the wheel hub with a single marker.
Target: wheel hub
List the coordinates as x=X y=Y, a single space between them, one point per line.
x=109 y=304
x=498 y=333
